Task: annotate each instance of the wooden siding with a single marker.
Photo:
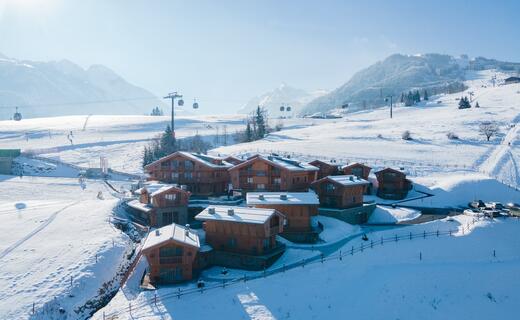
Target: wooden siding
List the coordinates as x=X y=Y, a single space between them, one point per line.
x=298 y=216
x=184 y=262
x=335 y=195
x=359 y=170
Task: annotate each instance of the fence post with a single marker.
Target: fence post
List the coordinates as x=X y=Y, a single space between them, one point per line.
x=322 y=258
x=437 y=232
x=223 y=283
x=410 y=236
x=450 y=232
x=494 y=253
x=424 y=234
x=245 y=277
x=130 y=307
x=103 y=315
x=420 y=255
x=352 y=251
x=395 y=238
x=178 y=293
x=155 y=299
x=33 y=309
x=371 y=244
x=381 y=240
x=71 y=281
x=361 y=247
x=340 y=258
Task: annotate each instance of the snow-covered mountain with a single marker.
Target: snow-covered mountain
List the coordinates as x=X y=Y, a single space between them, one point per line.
x=63 y=88
x=284 y=94
x=400 y=73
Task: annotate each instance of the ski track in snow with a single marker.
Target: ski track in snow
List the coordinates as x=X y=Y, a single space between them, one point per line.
x=35 y=231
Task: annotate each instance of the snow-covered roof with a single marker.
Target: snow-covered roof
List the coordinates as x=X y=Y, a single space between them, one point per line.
x=173 y=232
x=154 y=188
x=286 y=198
x=347 y=180
x=354 y=164
x=281 y=162
x=204 y=159
x=239 y=214
x=136 y=204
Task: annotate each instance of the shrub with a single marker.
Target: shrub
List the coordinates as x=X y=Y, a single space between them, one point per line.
x=406 y=135
x=452 y=136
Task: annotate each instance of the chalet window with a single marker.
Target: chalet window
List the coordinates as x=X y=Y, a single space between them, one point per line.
x=175 y=175
x=167 y=218
x=277 y=180
x=188 y=175
x=329 y=187
x=232 y=242
x=354 y=199
x=165 y=164
x=188 y=165
x=276 y=171
x=249 y=180
x=171 y=197
x=175 y=164
x=261 y=173
x=217 y=174
x=260 y=186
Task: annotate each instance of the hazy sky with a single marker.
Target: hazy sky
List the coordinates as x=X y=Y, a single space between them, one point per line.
x=225 y=52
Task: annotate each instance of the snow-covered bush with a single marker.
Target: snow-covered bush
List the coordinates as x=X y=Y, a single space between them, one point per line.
x=406 y=135
x=452 y=135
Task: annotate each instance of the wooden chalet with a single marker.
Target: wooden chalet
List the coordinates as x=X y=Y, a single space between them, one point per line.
x=345 y=191
x=160 y=204
x=171 y=252
x=392 y=184
x=249 y=231
x=297 y=207
x=233 y=160
x=272 y=173
x=325 y=168
x=203 y=175
x=357 y=169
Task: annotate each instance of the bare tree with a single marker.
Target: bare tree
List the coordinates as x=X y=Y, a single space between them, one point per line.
x=488 y=129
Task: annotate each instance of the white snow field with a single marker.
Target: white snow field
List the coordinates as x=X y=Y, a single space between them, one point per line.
x=446 y=277
x=372 y=137
x=53 y=232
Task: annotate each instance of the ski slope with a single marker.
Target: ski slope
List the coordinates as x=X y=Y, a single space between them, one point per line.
x=57 y=247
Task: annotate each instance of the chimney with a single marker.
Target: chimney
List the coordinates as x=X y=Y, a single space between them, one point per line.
x=261 y=197
x=157 y=232
x=351 y=178
x=187 y=230
x=211 y=210
x=283 y=197
x=231 y=212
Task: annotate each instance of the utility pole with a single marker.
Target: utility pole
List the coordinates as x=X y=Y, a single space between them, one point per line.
x=174 y=95
x=391 y=104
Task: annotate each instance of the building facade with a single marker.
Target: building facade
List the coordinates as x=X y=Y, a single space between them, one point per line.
x=171 y=252
x=340 y=192
x=203 y=175
x=160 y=204
x=325 y=168
x=392 y=184
x=357 y=169
x=272 y=173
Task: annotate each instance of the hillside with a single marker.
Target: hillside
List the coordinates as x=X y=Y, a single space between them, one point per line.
x=59 y=88
x=283 y=95
x=400 y=73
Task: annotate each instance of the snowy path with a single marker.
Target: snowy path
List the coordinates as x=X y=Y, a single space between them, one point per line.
x=35 y=231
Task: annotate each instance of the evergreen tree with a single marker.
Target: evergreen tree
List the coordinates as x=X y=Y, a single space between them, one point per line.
x=249 y=132
x=260 y=123
x=477 y=105
x=425 y=95
x=168 y=142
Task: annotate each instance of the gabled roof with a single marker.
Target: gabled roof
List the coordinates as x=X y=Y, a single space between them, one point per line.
x=171 y=232
x=344 y=180
x=317 y=162
x=355 y=164
x=279 y=162
x=285 y=198
x=232 y=158
x=240 y=214
x=155 y=188
x=203 y=159
x=390 y=169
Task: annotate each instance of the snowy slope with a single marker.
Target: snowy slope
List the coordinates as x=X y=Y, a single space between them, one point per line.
x=283 y=95
x=53 y=232
x=374 y=138
x=457 y=277
x=43 y=89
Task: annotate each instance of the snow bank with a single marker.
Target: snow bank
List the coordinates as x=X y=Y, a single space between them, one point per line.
x=392 y=215
x=334 y=229
x=457 y=190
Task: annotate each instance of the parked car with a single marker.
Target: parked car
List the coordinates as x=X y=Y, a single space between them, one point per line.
x=477 y=204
